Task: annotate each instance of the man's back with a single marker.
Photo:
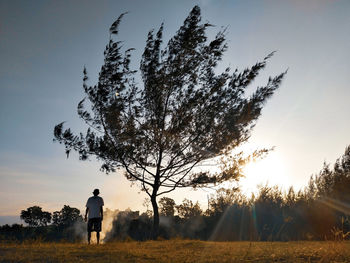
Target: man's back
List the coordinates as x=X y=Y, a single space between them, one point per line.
x=94 y=204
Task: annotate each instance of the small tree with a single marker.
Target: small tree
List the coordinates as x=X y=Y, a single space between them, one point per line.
x=185 y=114
x=188 y=210
x=67 y=216
x=223 y=199
x=167 y=206
x=34 y=216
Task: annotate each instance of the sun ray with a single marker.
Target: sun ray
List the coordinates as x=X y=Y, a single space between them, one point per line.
x=336 y=204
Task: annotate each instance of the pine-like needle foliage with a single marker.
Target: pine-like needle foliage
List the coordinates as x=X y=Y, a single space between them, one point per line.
x=183 y=115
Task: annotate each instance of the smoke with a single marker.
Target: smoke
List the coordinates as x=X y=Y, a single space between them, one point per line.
x=122 y=225
x=195 y=224
x=107 y=224
x=165 y=221
x=79 y=229
x=126 y=225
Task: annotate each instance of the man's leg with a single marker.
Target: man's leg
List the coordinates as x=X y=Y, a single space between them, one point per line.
x=89 y=237
x=98 y=237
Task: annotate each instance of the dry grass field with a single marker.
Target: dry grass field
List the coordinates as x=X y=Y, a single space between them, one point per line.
x=177 y=251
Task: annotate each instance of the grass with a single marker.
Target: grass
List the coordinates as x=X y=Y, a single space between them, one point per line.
x=177 y=251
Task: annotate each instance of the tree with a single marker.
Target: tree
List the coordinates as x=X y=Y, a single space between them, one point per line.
x=334 y=183
x=188 y=210
x=167 y=206
x=225 y=198
x=67 y=216
x=183 y=116
x=34 y=216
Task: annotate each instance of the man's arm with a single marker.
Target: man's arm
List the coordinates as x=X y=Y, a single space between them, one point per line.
x=101 y=211
x=86 y=213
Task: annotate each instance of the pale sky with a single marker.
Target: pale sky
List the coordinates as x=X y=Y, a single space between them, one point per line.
x=44 y=46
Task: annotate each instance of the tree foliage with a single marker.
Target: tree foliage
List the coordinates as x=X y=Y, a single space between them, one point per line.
x=187 y=209
x=66 y=217
x=185 y=113
x=34 y=216
x=167 y=206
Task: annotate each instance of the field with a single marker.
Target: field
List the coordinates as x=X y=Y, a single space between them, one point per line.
x=177 y=251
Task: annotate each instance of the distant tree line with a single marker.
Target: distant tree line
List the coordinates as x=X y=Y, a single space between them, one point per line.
x=65 y=225
x=320 y=211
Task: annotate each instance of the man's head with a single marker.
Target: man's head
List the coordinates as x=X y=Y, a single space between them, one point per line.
x=96 y=192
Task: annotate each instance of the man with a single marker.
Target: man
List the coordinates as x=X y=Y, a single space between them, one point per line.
x=94 y=208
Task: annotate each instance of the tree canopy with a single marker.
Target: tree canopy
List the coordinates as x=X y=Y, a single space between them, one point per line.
x=162 y=132
x=35 y=216
x=167 y=206
x=66 y=217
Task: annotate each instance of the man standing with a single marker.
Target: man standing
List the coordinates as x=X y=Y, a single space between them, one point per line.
x=94 y=208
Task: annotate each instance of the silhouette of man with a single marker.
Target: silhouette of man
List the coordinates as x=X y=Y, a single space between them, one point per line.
x=94 y=208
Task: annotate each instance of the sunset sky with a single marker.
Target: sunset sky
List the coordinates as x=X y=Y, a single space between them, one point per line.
x=44 y=46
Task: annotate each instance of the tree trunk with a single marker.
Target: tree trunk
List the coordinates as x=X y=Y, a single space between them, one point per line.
x=156 y=185
x=155 y=230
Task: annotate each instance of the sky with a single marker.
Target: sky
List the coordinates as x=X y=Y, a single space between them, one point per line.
x=44 y=46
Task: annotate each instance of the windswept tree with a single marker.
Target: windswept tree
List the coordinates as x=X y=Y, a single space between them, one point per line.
x=184 y=115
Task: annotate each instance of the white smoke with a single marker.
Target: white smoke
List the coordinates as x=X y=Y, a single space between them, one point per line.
x=107 y=224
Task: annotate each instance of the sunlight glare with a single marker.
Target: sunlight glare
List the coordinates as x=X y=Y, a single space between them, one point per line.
x=271 y=170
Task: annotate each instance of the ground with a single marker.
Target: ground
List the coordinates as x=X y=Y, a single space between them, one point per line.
x=177 y=251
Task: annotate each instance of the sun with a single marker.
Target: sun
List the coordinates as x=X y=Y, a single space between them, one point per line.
x=271 y=170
